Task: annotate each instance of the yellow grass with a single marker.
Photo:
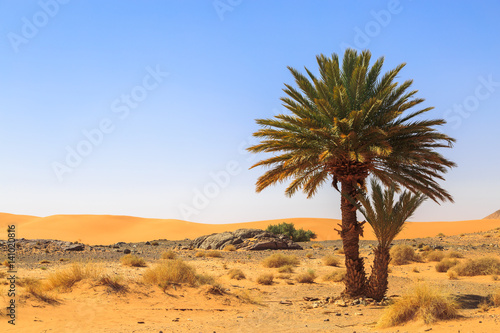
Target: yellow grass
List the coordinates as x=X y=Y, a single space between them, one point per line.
x=278 y=260
x=66 y=278
x=403 y=254
x=307 y=277
x=213 y=254
x=330 y=260
x=480 y=266
x=172 y=272
x=168 y=255
x=236 y=274
x=265 y=279
x=285 y=269
x=335 y=276
x=445 y=264
x=230 y=247
x=423 y=303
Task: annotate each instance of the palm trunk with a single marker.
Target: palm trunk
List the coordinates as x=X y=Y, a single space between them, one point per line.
x=377 y=283
x=351 y=230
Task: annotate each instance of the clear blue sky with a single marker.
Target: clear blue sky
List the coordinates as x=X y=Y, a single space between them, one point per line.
x=144 y=108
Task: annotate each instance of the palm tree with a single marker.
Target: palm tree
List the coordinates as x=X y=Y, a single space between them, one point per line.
x=346 y=124
x=387 y=219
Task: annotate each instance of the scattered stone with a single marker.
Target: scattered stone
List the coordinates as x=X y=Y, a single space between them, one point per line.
x=75 y=247
x=358 y=314
x=340 y=303
x=126 y=251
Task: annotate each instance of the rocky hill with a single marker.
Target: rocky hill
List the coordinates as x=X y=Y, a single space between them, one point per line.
x=495 y=215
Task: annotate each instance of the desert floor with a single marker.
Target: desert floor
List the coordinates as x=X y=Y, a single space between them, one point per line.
x=240 y=305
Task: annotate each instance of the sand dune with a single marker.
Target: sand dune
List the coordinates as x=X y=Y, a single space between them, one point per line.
x=494 y=216
x=108 y=229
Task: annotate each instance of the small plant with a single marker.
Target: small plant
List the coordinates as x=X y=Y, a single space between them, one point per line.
x=35 y=288
x=307 y=277
x=200 y=254
x=230 y=247
x=415 y=270
x=335 y=276
x=309 y=255
x=265 y=279
x=66 y=278
x=236 y=274
x=480 y=266
x=43 y=268
x=245 y=297
x=317 y=246
x=445 y=264
x=452 y=275
x=440 y=235
x=113 y=282
x=423 y=303
x=426 y=248
x=403 y=254
x=278 y=260
x=213 y=254
x=173 y=272
x=285 y=269
x=494 y=277
x=454 y=254
x=495 y=298
x=44 y=262
x=168 y=255
x=330 y=260
x=340 y=251
x=435 y=255
x=484 y=306
x=288 y=229
x=133 y=261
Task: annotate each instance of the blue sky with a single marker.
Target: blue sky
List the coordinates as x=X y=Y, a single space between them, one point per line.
x=145 y=108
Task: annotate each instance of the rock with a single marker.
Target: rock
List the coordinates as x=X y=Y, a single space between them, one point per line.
x=358 y=314
x=340 y=303
x=147 y=243
x=246 y=239
x=126 y=251
x=74 y=247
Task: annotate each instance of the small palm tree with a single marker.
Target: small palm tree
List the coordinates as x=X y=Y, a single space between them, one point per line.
x=387 y=219
x=346 y=124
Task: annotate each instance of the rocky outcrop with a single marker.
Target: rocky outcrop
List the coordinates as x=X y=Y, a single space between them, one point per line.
x=494 y=216
x=246 y=239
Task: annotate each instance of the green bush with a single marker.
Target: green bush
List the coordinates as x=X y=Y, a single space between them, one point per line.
x=288 y=229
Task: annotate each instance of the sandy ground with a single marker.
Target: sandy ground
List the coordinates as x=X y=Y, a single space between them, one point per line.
x=284 y=306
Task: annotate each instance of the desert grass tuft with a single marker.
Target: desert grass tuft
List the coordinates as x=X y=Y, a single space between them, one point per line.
x=236 y=274
x=133 y=261
x=480 y=266
x=340 y=251
x=330 y=260
x=34 y=287
x=445 y=264
x=265 y=279
x=495 y=298
x=66 y=278
x=168 y=255
x=200 y=254
x=435 y=255
x=307 y=277
x=335 y=276
x=285 y=269
x=213 y=254
x=309 y=255
x=173 y=272
x=230 y=247
x=113 y=282
x=44 y=262
x=245 y=297
x=423 y=303
x=278 y=260
x=317 y=246
x=452 y=275
x=404 y=254
x=454 y=254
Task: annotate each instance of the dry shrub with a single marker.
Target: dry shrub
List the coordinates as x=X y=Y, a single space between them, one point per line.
x=284 y=276
x=113 y=282
x=454 y=254
x=236 y=274
x=495 y=298
x=340 y=251
x=285 y=269
x=44 y=262
x=423 y=303
x=168 y=255
x=245 y=297
x=266 y=279
x=172 y=272
x=309 y=255
x=230 y=247
x=307 y=277
x=426 y=248
x=403 y=254
x=452 y=275
x=335 y=276
x=317 y=246
x=34 y=287
x=435 y=255
x=133 y=261
x=200 y=254
x=480 y=266
x=278 y=260
x=330 y=260
x=213 y=254
x=440 y=235
x=445 y=264
x=66 y=278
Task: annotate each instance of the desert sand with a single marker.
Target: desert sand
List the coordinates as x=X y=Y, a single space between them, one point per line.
x=244 y=305
x=109 y=229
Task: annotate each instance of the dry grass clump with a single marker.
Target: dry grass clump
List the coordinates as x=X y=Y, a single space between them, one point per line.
x=307 y=277
x=317 y=246
x=174 y=272
x=423 y=303
x=285 y=269
x=113 y=282
x=245 y=297
x=230 y=247
x=495 y=298
x=213 y=254
x=309 y=255
x=330 y=260
x=34 y=287
x=44 y=262
x=335 y=276
x=200 y=254
x=340 y=251
x=66 y=278
x=266 y=279
x=480 y=266
x=452 y=275
x=435 y=255
x=168 y=255
x=440 y=235
x=403 y=254
x=236 y=274
x=454 y=254
x=133 y=261
x=445 y=264
x=278 y=260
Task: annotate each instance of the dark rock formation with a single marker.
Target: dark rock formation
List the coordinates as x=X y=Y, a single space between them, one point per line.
x=246 y=239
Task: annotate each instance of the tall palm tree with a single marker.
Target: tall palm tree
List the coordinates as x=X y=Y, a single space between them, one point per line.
x=346 y=124
x=387 y=219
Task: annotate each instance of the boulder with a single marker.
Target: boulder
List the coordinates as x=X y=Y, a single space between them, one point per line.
x=74 y=247
x=245 y=239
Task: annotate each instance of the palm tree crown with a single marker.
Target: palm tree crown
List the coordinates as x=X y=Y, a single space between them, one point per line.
x=348 y=123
